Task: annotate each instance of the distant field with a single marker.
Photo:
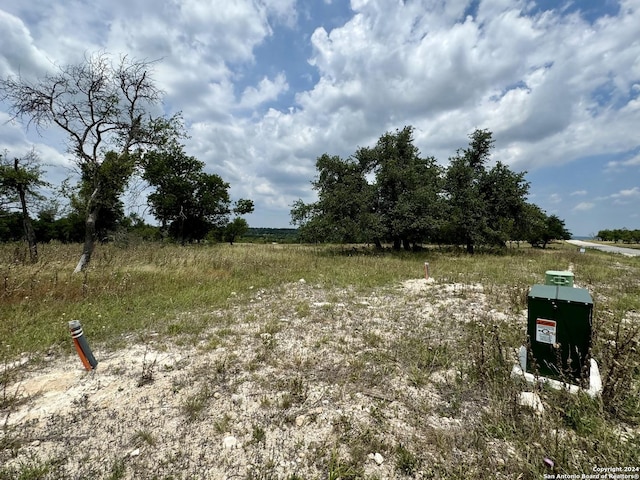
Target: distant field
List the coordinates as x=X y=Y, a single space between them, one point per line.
x=272 y=361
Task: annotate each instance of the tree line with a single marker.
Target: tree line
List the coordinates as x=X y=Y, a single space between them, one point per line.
x=619 y=235
x=390 y=194
x=107 y=110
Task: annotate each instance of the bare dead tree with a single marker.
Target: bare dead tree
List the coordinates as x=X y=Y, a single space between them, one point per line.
x=103 y=106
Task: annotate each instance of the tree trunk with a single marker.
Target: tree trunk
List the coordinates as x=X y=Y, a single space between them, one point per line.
x=396 y=244
x=89 y=240
x=406 y=244
x=470 y=247
x=29 y=234
x=377 y=243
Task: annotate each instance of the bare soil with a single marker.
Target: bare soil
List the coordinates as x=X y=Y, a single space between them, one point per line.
x=298 y=382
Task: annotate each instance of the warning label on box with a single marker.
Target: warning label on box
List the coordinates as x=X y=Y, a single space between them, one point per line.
x=545 y=331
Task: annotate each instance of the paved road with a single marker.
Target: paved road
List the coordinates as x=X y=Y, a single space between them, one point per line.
x=629 y=252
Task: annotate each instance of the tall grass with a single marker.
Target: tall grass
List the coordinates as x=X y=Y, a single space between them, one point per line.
x=148 y=286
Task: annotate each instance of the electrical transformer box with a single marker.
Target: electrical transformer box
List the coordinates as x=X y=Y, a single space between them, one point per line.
x=559 y=327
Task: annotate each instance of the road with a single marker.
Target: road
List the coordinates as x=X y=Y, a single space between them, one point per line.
x=629 y=252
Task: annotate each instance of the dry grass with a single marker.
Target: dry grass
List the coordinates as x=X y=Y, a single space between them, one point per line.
x=202 y=344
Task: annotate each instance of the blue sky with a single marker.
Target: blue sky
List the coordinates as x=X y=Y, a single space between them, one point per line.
x=267 y=86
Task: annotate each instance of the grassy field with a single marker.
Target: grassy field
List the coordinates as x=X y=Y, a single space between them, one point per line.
x=388 y=354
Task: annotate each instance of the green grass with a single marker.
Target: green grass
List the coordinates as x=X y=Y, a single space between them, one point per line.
x=154 y=287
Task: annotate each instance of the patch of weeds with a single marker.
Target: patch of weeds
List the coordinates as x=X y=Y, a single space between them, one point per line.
x=377 y=413
x=487 y=349
x=259 y=434
x=266 y=471
x=580 y=413
x=271 y=327
x=118 y=470
x=372 y=339
x=620 y=366
x=295 y=391
x=220 y=369
x=10 y=442
x=268 y=341
x=340 y=469
x=421 y=355
x=303 y=309
x=143 y=436
x=407 y=463
x=26 y=471
x=517 y=297
x=211 y=344
x=195 y=404
x=9 y=399
x=343 y=427
x=177 y=328
x=369 y=369
x=417 y=377
x=147 y=373
x=286 y=401
x=221 y=425
x=363 y=442
x=226 y=332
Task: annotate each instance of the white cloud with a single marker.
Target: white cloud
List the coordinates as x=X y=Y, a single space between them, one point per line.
x=20 y=55
x=584 y=206
x=626 y=196
x=619 y=165
x=530 y=78
x=578 y=193
x=555 y=198
x=266 y=90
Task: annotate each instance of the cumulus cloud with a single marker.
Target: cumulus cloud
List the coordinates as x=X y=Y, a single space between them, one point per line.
x=578 y=193
x=553 y=86
x=266 y=90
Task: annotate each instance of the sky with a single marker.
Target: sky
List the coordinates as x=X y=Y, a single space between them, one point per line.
x=267 y=86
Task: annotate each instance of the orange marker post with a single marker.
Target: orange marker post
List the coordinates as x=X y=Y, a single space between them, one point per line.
x=82 y=346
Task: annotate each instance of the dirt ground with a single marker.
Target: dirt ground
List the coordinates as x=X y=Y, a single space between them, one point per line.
x=299 y=382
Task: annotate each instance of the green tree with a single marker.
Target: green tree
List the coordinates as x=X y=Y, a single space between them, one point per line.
x=338 y=215
x=400 y=204
x=544 y=228
x=186 y=200
x=238 y=226
x=503 y=193
x=404 y=199
x=102 y=106
x=483 y=206
x=235 y=229
x=556 y=229
x=19 y=182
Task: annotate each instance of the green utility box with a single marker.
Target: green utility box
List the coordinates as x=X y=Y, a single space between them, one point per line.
x=559 y=330
x=562 y=278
